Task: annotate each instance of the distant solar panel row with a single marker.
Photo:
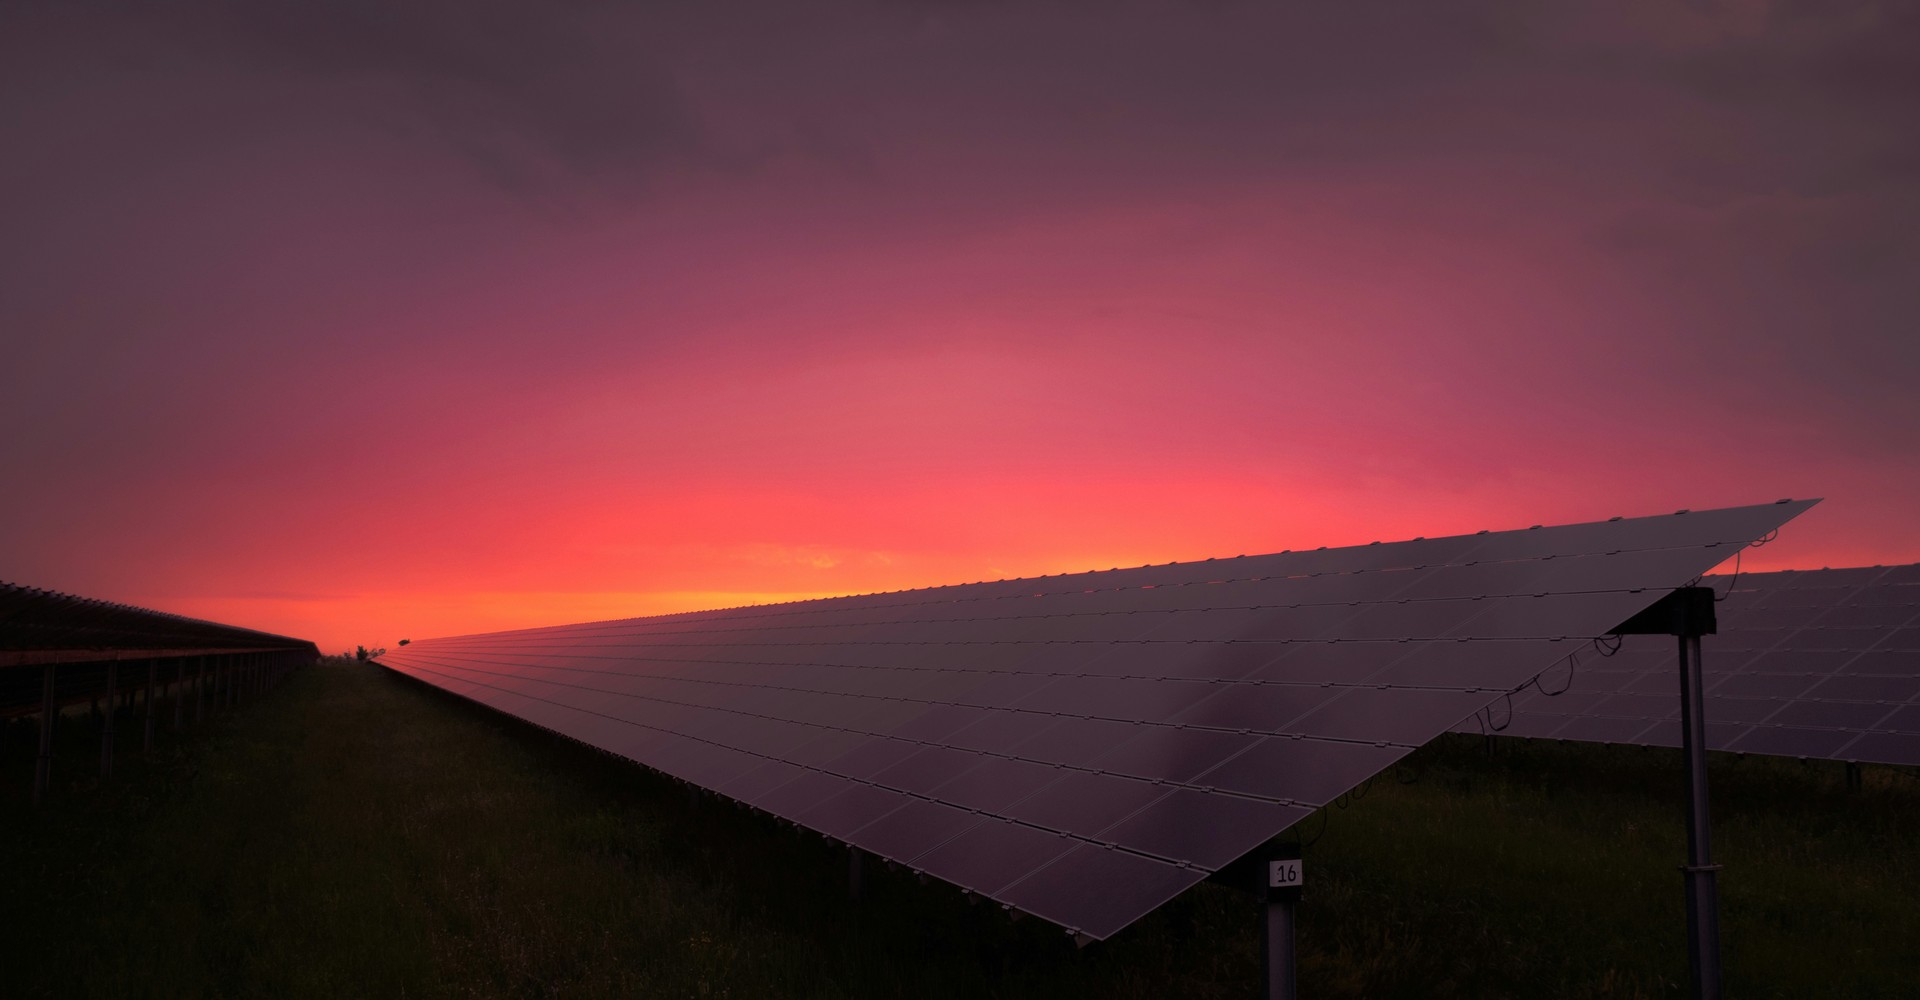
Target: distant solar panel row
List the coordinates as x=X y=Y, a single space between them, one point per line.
x=38 y=621
x=83 y=635
x=1819 y=663
x=1084 y=747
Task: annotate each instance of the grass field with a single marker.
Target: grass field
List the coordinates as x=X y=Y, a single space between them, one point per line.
x=354 y=833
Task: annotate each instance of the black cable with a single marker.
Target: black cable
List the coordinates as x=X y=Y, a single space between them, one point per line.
x=1503 y=726
x=1735 y=581
x=1323 y=831
x=1573 y=664
x=1600 y=644
x=1756 y=543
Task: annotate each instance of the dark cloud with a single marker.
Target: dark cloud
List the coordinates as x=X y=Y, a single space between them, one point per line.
x=522 y=91
x=188 y=183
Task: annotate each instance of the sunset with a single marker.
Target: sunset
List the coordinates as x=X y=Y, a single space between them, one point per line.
x=364 y=322
x=350 y=323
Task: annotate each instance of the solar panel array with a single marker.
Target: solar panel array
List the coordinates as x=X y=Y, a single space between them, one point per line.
x=1084 y=747
x=35 y=621
x=82 y=634
x=1807 y=663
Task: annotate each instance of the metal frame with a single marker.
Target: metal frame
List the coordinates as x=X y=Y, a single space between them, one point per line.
x=1688 y=614
x=79 y=643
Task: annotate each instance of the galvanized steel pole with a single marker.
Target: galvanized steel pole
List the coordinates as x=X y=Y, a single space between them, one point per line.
x=43 y=768
x=106 y=733
x=1703 y=902
x=1280 y=884
x=153 y=672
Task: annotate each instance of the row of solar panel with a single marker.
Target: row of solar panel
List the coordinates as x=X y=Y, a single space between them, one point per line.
x=1482 y=566
x=1066 y=767
x=1822 y=663
x=32 y=620
x=954 y=811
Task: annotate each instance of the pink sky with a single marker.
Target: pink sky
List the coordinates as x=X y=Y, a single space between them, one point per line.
x=363 y=321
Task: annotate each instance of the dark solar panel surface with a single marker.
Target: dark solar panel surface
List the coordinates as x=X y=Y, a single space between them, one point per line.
x=36 y=621
x=1807 y=663
x=1084 y=747
x=81 y=635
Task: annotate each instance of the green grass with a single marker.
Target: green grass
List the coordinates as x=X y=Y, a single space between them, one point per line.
x=355 y=833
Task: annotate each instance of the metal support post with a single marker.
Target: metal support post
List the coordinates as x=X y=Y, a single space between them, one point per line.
x=1702 y=895
x=856 y=873
x=153 y=672
x=43 y=768
x=200 y=691
x=1853 y=776
x=1703 y=901
x=106 y=733
x=1689 y=614
x=179 y=691
x=1281 y=878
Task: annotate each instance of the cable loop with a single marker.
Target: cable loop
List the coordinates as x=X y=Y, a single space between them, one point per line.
x=1502 y=727
x=1573 y=664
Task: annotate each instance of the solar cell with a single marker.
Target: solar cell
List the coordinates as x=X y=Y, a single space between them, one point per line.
x=1164 y=753
x=1806 y=663
x=1091 y=889
x=992 y=854
x=1201 y=828
x=1084 y=746
x=913 y=829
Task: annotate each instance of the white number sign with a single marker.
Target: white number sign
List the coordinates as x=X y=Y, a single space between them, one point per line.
x=1284 y=874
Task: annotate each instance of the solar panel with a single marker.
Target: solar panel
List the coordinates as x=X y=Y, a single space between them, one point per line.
x=1084 y=747
x=1807 y=663
x=79 y=635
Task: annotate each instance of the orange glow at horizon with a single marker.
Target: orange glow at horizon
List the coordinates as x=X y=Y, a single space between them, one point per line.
x=382 y=618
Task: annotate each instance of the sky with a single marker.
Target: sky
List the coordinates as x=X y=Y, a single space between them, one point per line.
x=378 y=319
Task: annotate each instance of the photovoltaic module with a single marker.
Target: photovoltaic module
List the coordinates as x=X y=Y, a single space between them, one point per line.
x=1084 y=747
x=1807 y=663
